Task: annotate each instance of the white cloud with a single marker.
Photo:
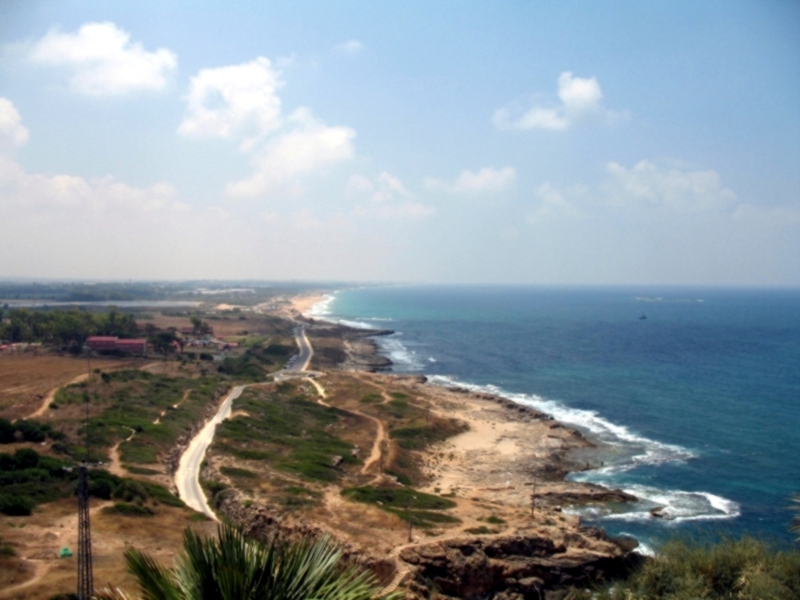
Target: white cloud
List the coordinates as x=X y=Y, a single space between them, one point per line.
x=553 y=204
x=312 y=145
x=104 y=61
x=12 y=132
x=238 y=101
x=386 y=188
x=581 y=100
x=673 y=188
x=241 y=102
x=388 y=198
x=487 y=179
x=349 y=47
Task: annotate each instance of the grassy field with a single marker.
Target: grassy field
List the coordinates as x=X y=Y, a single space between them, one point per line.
x=289 y=431
x=412 y=428
x=158 y=409
x=418 y=508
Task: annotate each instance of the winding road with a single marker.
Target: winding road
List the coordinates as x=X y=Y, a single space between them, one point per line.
x=187 y=477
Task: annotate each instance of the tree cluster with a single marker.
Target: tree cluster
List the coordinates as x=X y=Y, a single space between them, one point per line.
x=65 y=328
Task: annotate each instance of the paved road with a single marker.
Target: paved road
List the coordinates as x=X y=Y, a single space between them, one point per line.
x=187 y=478
x=300 y=362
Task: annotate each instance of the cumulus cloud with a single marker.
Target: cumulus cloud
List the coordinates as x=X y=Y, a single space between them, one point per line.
x=349 y=47
x=581 y=101
x=553 y=204
x=388 y=198
x=665 y=223
x=677 y=189
x=487 y=179
x=241 y=103
x=234 y=101
x=309 y=147
x=12 y=132
x=103 y=60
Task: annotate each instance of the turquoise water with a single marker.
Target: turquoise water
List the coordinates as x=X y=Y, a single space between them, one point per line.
x=699 y=402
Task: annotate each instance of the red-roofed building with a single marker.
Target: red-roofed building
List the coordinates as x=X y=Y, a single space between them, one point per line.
x=133 y=346
x=102 y=342
x=107 y=342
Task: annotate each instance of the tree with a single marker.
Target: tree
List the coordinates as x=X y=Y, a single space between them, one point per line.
x=197 y=324
x=232 y=567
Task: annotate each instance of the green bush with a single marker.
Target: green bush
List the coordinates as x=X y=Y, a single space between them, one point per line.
x=16 y=506
x=237 y=472
x=130 y=490
x=129 y=510
x=746 y=569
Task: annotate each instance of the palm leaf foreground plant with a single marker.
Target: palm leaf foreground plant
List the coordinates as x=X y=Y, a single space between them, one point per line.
x=795 y=526
x=232 y=567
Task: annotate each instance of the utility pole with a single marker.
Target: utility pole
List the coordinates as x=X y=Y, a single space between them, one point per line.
x=408 y=516
x=533 y=497
x=85 y=578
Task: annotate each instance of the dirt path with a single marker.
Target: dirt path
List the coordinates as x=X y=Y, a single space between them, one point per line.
x=67 y=527
x=115 y=466
x=48 y=400
x=380 y=431
x=377 y=445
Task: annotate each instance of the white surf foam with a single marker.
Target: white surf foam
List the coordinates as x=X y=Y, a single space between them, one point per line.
x=649 y=451
x=399 y=354
x=321 y=309
x=676 y=506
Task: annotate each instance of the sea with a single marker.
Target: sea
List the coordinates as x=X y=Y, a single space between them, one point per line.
x=693 y=395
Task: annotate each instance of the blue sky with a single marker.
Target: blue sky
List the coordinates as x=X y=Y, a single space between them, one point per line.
x=504 y=142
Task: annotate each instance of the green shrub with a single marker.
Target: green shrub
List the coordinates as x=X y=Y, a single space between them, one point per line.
x=237 y=472
x=401 y=477
x=494 y=520
x=7 y=431
x=746 y=569
x=398 y=498
x=481 y=530
x=130 y=490
x=129 y=510
x=16 y=505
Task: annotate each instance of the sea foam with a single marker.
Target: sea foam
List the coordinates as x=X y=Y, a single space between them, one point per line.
x=674 y=506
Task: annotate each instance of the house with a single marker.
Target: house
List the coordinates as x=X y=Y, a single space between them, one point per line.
x=133 y=346
x=107 y=342
x=102 y=342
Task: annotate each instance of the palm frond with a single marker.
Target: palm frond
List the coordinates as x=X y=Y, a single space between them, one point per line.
x=232 y=567
x=795 y=507
x=155 y=581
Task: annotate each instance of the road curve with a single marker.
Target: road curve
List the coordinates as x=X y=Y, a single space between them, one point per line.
x=187 y=478
x=300 y=362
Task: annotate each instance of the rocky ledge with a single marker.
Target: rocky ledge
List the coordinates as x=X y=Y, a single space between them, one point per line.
x=516 y=567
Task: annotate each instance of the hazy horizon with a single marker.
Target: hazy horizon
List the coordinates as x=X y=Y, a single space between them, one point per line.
x=552 y=144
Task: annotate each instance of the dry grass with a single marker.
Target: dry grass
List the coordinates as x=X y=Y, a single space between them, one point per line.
x=25 y=379
x=38 y=539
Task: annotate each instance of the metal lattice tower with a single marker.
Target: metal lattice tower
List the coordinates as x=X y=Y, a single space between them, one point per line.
x=85 y=580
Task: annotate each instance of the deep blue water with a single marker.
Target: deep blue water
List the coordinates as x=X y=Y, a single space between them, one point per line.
x=699 y=402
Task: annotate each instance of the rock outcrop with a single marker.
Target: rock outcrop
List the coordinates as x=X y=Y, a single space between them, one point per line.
x=515 y=567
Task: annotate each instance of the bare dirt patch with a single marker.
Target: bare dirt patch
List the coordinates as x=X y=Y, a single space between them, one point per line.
x=26 y=379
x=38 y=539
